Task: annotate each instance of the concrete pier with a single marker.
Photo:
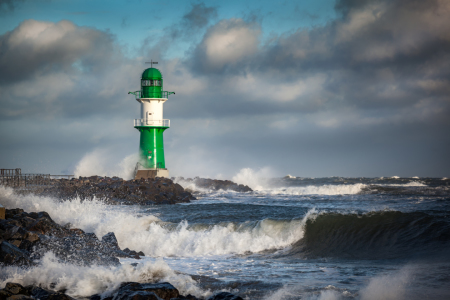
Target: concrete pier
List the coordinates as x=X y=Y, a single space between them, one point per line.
x=151 y=173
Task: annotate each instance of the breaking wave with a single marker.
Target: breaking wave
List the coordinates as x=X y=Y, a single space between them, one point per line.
x=156 y=238
x=344 y=189
x=81 y=281
x=375 y=235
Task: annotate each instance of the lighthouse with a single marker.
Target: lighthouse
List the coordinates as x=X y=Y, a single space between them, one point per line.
x=151 y=125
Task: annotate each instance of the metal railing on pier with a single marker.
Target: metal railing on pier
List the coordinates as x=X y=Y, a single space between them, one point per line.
x=23 y=180
x=148 y=122
x=10 y=172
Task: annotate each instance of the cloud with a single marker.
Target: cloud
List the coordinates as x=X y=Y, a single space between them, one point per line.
x=51 y=69
x=227 y=43
x=38 y=48
x=351 y=95
x=376 y=55
x=199 y=16
x=192 y=22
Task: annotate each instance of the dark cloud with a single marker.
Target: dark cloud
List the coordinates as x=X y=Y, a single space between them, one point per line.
x=60 y=69
x=9 y=5
x=192 y=22
x=199 y=16
x=36 y=47
x=377 y=54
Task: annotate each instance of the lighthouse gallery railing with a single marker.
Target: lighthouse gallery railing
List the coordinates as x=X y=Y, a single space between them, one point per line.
x=148 y=122
x=164 y=94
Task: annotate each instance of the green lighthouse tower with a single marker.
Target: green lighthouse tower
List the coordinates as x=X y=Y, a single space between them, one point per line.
x=151 y=125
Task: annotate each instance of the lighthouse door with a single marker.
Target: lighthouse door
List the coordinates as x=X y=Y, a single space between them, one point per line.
x=149 y=117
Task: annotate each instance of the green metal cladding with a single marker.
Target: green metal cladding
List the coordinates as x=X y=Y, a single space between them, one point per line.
x=151 y=83
x=151 y=147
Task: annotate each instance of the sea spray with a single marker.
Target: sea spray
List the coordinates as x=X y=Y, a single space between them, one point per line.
x=79 y=281
x=101 y=162
x=257 y=180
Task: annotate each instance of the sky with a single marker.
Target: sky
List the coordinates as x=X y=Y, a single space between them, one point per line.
x=309 y=88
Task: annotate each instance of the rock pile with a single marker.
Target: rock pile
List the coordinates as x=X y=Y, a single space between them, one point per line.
x=127 y=291
x=118 y=191
x=215 y=184
x=26 y=237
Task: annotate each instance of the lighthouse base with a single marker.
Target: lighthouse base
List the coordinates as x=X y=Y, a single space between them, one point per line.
x=141 y=172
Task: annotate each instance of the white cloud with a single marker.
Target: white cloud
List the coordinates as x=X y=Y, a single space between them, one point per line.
x=228 y=42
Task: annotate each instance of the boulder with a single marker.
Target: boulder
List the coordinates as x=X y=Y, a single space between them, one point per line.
x=111 y=240
x=12 y=255
x=134 y=290
x=15 y=288
x=15 y=291
x=224 y=296
x=22 y=245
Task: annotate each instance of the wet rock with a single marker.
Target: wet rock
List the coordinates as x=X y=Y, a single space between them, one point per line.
x=15 y=288
x=214 y=184
x=39 y=293
x=224 y=296
x=15 y=291
x=134 y=290
x=188 y=297
x=111 y=240
x=20 y=297
x=138 y=295
x=4 y=295
x=12 y=255
x=118 y=191
x=59 y=296
x=22 y=245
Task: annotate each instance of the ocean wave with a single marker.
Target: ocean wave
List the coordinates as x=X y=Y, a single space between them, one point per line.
x=409 y=184
x=342 y=189
x=156 y=238
x=84 y=281
x=374 y=235
x=377 y=234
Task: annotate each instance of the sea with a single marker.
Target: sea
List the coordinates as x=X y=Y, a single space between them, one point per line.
x=291 y=238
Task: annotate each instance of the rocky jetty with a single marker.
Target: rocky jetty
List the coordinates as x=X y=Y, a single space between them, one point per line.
x=26 y=237
x=118 y=191
x=215 y=184
x=126 y=291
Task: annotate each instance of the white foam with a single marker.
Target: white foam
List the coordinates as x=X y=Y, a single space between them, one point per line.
x=343 y=189
x=85 y=281
x=190 y=185
x=155 y=238
x=298 y=292
x=412 y=183
x=395 y=177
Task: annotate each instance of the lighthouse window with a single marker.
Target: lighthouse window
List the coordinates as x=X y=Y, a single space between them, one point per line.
x=151 y=82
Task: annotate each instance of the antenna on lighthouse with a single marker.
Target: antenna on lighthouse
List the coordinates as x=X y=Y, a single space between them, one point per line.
x=151 y=62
